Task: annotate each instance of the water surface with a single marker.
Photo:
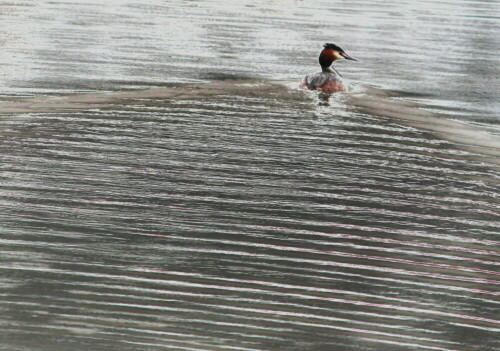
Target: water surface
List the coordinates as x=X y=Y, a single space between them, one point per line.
x=164 y=186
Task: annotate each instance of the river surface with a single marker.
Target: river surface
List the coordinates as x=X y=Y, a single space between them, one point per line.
x=164 y=185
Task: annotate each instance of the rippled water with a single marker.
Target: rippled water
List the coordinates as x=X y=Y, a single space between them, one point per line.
x=214 y=206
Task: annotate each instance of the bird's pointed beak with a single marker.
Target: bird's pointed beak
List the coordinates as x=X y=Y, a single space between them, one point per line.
x=347 y=57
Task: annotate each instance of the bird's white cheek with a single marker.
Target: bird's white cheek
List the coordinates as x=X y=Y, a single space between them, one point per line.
x=337 y=56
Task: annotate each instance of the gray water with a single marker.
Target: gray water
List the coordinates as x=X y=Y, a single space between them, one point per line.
x=165 y=186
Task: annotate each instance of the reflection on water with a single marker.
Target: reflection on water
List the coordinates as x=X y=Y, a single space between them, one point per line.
x=217 y=208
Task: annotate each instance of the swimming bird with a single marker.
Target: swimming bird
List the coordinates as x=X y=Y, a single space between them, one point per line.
x=328 y=80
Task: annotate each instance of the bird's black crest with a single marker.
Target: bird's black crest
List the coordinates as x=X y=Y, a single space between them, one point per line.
x=334 y=47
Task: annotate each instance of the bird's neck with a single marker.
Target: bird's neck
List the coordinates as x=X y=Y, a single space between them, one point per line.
x=327 y=69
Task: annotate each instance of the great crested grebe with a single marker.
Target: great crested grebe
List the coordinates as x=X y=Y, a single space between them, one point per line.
x=328 y=80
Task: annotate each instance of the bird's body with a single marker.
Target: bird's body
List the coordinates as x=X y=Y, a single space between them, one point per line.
x=328 y=80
